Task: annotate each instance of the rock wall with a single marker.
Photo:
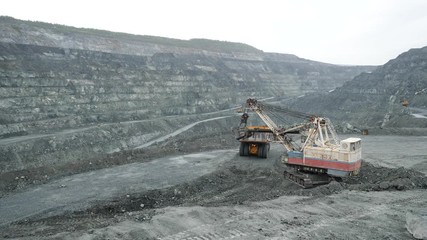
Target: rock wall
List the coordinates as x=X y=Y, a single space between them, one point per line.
x=375 y=99
x=66 y=92
x=45 y=88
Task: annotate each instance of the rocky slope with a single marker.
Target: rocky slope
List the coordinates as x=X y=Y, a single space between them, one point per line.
x=68 y=93
x=375 y=100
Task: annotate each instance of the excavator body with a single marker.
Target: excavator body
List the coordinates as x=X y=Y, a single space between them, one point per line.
x=343 y=161
x=321 y=156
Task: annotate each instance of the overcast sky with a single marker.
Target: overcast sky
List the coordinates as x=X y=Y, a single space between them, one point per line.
x=334 y=31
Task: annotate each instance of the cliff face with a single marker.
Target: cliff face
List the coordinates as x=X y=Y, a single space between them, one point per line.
x=60 y=79
x=54 y=77
x=375 y=100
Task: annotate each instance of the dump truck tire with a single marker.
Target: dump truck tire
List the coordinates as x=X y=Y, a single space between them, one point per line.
x=260 y=150
x=242 y=149
x=265 y=149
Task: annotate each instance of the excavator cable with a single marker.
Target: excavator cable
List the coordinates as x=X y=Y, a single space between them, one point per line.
x=278 y=116
x=293 y=113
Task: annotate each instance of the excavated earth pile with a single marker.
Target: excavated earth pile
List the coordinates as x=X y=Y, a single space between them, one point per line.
x=231 y=185
x=375 y=178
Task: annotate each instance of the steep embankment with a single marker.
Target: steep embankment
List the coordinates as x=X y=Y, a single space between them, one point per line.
x=375 y=100
x=68 y=93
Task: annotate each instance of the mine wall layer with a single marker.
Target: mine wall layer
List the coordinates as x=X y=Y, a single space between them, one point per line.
x=54 y=100
x=45 y=85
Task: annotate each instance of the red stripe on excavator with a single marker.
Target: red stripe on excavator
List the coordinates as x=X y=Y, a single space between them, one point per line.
x=310 y=162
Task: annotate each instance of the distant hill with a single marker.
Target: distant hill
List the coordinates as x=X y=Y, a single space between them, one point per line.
x=375 y=100
x=55 y=35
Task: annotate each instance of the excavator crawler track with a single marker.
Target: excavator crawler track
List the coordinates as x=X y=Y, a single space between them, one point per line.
x=306 y=180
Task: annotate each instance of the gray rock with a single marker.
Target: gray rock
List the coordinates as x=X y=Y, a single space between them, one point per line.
x=384 y=185
x=416 y=224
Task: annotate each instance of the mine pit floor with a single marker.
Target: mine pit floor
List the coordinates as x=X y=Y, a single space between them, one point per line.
x=220 y=195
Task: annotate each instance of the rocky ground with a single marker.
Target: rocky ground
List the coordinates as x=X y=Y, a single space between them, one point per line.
x=220 y=195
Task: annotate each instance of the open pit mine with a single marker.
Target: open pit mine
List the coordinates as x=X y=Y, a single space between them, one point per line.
x=109 y=135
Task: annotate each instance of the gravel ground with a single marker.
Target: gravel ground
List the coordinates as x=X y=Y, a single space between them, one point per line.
x=240 y=198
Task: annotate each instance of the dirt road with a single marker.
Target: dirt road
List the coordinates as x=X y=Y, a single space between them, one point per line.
x=179 y=131
x=396 y=151
x=420 y=112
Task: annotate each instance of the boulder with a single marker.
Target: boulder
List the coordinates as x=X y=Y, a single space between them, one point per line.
x=416 y=224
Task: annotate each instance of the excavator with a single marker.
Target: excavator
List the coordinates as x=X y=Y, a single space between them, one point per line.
x=318 y=158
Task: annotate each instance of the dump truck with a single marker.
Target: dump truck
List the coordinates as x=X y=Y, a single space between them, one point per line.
x=255 y=141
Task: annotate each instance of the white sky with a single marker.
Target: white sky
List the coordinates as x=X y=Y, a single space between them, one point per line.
x=334 y=31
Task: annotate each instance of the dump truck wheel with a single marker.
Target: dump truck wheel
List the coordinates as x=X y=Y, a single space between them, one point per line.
x=242 y=149
x=261 y=148
x=265 y=149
